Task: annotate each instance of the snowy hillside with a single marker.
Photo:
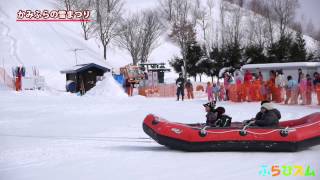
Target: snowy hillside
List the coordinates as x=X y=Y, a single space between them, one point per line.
x=49 y=46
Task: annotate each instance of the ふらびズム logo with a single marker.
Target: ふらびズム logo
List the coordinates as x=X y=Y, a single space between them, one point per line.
x=286 y=170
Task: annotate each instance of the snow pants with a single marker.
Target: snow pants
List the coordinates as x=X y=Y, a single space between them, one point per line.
x=180 y=91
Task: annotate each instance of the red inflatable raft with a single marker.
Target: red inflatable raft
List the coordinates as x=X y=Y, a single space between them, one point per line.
x=292 y=135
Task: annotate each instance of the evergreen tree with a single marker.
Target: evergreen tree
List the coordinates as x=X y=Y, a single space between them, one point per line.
x=310 y=56
x=193 y=65
x=177 y=64
x=233 y=55
x=298 y=51
x=219 y=59
x=253 y=54
x=279 y=51
x=208 y=68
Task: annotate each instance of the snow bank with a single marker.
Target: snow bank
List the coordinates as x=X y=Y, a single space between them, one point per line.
x=107 y=88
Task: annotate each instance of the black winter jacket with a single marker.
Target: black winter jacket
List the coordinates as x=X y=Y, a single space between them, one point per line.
x=180 y=83
x=269 y=118
x=211 y=118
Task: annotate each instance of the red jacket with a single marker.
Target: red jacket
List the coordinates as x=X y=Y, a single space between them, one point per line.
x=248 y=77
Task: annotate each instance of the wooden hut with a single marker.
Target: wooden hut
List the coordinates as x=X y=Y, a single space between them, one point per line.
x=81 y=78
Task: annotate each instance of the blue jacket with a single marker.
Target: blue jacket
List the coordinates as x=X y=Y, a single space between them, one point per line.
x=216 y=89
x=292 y=84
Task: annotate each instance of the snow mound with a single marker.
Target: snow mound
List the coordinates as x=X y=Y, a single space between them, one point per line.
x=107 y=88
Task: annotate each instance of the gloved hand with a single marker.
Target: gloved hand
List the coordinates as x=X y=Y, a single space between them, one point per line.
x=248 y=121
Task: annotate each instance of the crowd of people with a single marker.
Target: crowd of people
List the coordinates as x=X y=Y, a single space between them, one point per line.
x=255 y=87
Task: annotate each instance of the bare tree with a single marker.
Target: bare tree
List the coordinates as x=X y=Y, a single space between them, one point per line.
x=233 y=28
x=67 y=4
x=139 y=35
x=203 y=22
x=268 y=13
x=182 y=30
x=167 y=9
x=196 y=10
x=296 y=26
x=108 y=18
x=222 y=22
x=210 y=4
x=257 y=6
x=284 y=13
x=237 y=2
x=130 y=36
x=180 y=15
x=152 y=30
x=310 y=30
x=87 y=27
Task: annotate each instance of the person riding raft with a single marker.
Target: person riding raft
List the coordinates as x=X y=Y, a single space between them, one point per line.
x=216 y=117
x=268 y=116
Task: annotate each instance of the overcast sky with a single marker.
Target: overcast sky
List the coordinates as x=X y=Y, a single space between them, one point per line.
x=311 y=10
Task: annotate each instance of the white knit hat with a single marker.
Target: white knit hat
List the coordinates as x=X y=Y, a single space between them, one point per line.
x=267 y=106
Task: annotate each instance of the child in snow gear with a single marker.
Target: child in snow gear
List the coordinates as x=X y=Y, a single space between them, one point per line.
x=222 y=119
x=209 y=91
x=216 y=91
x=291 y=91
x=211 y=115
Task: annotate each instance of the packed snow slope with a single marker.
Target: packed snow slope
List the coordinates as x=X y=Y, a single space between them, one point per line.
x=52 y=136
x=49 y=46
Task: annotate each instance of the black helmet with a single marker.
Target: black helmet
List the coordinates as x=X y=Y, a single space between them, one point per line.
x=211 y=104
x=220 y=110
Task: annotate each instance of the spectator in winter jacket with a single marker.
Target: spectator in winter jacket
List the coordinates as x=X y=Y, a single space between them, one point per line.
x=216 y=91
x=211 y=116
x=279 y=86
x=180 y=87
x=209 y=91
x=316 y=84
x=238 y=78
x=316 y=79
x=248 y=77
x=299 y=74
x=227 y=81
x=222 y=94
x=291 y=91
x=303 y=88
x=247 y=81
x=309 y=90
x=189 y=88
x=268 y=116
x=260 y=76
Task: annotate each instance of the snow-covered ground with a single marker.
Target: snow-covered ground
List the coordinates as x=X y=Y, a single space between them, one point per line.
x=54 y=135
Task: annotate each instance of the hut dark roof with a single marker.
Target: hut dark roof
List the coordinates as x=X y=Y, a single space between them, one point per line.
x=83 y=67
